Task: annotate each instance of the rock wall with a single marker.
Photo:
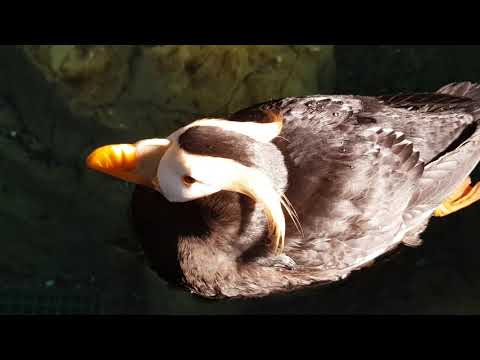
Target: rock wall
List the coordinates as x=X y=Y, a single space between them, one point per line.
x=123 y=91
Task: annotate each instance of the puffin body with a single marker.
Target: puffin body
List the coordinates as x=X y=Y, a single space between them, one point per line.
x=353 y=176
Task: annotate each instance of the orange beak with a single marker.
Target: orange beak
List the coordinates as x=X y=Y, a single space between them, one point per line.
x=112 y=158
x=135 y=163
x=118 y=161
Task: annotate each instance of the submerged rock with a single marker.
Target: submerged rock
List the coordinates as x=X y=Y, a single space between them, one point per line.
x=90 y=75
x=221 y=79
x=137 y=91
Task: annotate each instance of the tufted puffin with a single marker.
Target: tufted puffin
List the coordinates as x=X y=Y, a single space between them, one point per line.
x=299 y=191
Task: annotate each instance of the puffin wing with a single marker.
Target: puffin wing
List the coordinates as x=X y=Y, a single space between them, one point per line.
x=358 y=218
x=394 y=167
x=409 y=175
x=428 y=102
x=432 y=121
x=402 y=194
x=448 y=169
x=458 y=97
x=464 y=89
x=385 y=177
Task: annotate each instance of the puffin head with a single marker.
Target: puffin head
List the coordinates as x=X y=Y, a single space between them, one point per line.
x=203 y=158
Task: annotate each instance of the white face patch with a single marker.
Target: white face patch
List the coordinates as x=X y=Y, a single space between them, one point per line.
x=263 y=132
x=213 y=174
x=176 y=164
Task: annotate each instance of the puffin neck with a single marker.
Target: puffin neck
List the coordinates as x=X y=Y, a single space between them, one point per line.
x=231 y=222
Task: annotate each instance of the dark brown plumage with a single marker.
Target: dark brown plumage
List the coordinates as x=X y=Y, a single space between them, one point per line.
x=363 y=173
x=212 y=141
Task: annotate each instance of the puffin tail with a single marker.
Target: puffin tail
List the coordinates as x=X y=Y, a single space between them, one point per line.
x=464 y=89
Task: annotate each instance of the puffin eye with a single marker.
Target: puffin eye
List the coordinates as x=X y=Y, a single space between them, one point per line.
x=188 y=180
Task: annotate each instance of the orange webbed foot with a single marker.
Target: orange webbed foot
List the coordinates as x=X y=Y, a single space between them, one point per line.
x=464 y=196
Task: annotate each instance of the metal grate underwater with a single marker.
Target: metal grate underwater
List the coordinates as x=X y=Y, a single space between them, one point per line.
x=48 y=302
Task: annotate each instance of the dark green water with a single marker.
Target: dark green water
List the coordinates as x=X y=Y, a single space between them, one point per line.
x=441 y=277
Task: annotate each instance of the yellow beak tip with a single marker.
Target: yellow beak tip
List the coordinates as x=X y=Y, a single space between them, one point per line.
x=112 y=157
